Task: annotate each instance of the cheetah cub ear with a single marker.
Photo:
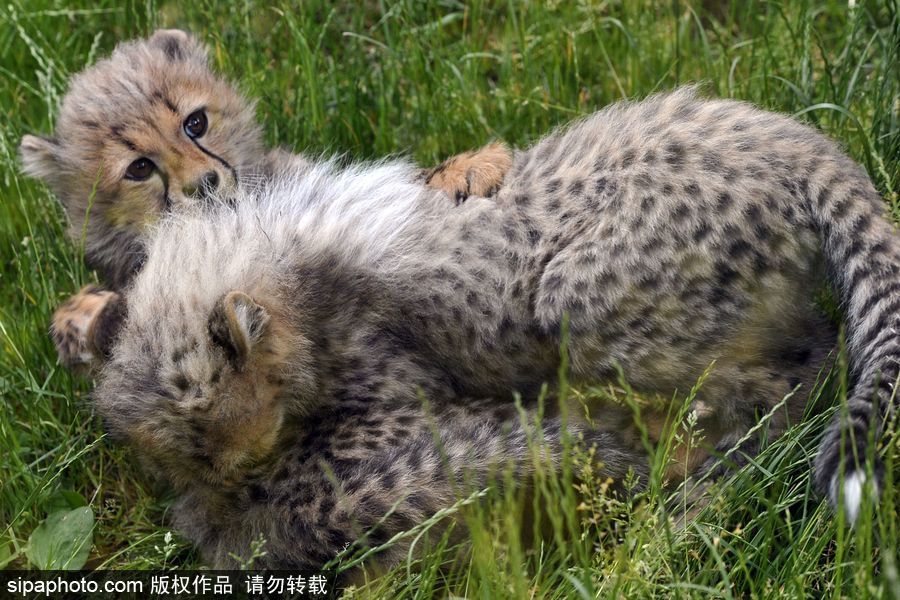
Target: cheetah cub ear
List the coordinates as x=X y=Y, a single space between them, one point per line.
x=178 y=45
x=41 y=158
x=238 y=324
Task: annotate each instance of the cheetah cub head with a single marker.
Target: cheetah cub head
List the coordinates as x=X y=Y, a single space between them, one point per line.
x=148 y=130
x=204 y=400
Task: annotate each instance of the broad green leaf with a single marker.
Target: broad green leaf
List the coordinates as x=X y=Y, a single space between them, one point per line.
x=64 y=500
x=63 y=540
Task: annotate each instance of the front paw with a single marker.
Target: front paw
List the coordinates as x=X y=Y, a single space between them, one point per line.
x=83 y=327
x=478 y=173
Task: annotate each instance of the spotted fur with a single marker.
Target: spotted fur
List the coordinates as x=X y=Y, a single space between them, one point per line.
x=677 y=233
x=134 y=105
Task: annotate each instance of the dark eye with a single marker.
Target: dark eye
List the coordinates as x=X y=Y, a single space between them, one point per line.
x=195 y=124
x=140 y=169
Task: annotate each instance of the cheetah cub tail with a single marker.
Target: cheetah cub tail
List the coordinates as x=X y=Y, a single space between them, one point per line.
x=863 y=259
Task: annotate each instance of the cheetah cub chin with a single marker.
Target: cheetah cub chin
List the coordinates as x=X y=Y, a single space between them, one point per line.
x=681 y=238
x=153 y=130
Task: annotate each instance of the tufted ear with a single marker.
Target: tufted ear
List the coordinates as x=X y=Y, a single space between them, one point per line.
x=41 y=157
x=237 y=325
x=178 y=45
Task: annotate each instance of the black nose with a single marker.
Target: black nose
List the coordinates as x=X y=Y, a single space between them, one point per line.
x=203 y=187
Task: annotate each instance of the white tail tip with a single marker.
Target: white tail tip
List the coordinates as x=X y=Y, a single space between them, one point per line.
x=854 y=493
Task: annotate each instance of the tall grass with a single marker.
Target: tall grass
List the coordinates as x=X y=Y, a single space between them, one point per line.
x=432 y=79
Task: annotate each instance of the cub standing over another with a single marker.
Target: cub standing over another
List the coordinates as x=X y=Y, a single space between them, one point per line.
x=266 y=338
x=151 y=130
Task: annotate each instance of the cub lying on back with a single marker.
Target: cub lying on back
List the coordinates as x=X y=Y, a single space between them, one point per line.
x=152 y=130
x=675 y=233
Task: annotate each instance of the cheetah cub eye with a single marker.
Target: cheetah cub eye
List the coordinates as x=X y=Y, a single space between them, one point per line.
x=140 y=169
x=196 y=123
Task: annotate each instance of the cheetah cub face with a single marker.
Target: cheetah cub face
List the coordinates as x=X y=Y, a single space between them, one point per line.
x=148 y=130
x=205 y=400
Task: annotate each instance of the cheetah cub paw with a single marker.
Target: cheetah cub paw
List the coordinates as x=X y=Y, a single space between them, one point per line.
x=477 y=173
x=83 y=328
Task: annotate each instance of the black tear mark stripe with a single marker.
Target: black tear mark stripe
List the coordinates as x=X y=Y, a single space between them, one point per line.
x=167 y=200
x=218 y=158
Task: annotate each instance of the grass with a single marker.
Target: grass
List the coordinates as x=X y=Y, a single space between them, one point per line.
x=432 y=79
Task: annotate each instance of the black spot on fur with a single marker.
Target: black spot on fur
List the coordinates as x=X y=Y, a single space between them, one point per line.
x=824 y=195
x=726 y=274
x=643 y=180
x=675 y=154
x=553 y=283
x=739 y=248
x=862 y=225
x=711 y=163
x=576 y=187
x=723 y=201
x=746 y=145
x=754 y=214
x=388 y=480
x=649 y=282
x=839 y=210
x=681 y=213
x=181 y=382
x=653 y=244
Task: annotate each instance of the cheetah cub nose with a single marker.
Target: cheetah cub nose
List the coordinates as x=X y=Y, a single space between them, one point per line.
x=203 y=187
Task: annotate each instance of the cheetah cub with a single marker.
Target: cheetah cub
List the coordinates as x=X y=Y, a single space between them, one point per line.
x=274 y=373
x=676 y=233
x=153 y=130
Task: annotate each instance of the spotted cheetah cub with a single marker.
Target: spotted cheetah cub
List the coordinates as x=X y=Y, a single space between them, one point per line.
x=676 y=233
x=153 y=130
x=274 y=373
